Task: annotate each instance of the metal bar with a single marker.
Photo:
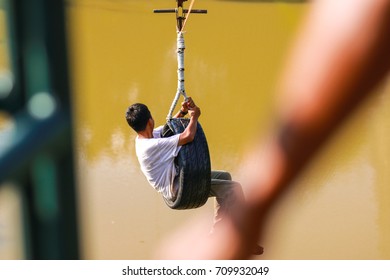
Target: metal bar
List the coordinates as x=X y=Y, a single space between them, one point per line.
x=163 y=11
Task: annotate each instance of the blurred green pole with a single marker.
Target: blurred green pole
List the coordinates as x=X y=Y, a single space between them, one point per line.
x=39 y=152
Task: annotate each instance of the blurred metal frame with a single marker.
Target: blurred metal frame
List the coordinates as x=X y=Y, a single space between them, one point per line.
x=38 y=154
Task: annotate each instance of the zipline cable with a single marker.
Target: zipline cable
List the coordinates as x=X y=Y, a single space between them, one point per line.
x=188 y=14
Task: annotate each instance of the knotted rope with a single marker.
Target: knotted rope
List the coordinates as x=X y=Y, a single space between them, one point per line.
x=180 y=65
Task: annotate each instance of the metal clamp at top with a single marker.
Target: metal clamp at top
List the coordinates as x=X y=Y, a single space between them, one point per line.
x=180 y=13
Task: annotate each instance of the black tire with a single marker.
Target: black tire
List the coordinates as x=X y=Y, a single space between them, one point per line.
x=194 y=166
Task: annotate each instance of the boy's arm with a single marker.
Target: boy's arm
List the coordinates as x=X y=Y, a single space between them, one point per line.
x=188 y=134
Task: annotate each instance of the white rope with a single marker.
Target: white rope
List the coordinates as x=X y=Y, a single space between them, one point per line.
x=180 y=73
x=180 y=65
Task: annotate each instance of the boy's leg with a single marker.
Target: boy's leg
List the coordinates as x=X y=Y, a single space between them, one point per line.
x=228 y=194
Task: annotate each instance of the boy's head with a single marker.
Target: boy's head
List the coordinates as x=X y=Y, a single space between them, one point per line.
x=137 y=116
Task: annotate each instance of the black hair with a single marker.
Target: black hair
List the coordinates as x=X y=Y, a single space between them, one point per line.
x=137 y=116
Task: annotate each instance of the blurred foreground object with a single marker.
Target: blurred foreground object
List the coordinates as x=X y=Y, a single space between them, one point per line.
x=36 y=154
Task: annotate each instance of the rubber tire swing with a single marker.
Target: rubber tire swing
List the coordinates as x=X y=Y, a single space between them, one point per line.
x=193 y=162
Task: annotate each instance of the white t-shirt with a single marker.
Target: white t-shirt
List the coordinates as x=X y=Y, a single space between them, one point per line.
x=156 y=156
